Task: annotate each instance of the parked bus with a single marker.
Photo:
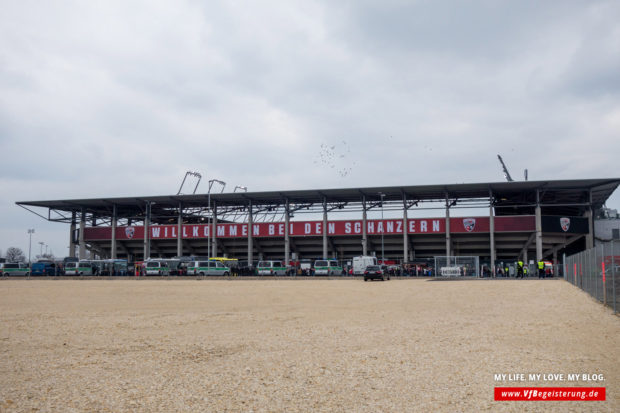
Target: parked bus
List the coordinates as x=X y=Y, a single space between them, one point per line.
x=115 y=267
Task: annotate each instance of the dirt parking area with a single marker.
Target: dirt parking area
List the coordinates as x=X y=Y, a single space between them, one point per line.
x=298 y=345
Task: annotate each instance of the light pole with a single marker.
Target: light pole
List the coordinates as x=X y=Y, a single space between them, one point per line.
x=30 y=232
x=382 y=195
x=41 y=243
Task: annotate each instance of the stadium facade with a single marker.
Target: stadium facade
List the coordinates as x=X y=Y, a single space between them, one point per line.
x=527 y=220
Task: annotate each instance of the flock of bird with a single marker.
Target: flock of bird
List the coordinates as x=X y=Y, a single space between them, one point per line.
x=335 y=157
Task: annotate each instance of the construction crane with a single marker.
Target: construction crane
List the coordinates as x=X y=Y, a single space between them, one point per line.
x=506 y=173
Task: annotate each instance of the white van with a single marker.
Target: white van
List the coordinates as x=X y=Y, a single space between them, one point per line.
x=157 y=268
x=79 y=268
x=10 y=268
x=271 y=268
x=360 y=263
x=327 y=267
x=203 y=268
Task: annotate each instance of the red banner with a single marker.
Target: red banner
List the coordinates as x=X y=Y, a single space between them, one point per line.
x=316 y=228
x=549 y=393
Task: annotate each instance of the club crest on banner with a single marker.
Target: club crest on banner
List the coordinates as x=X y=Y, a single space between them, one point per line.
x=130 y=231
x=565 y=223
x=469 y=224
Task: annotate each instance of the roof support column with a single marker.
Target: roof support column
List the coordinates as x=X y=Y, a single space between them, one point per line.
x=448 y=241
x=492 y=233
x=81 y=240
x=114 y=223
x=325 y=252
x=214 y=231
x=364 y=228
x=72 y=235
x=539 y=252
x=250 y=239
x=287 y=240
x=589 y=214
x=180 y=231
x=147 y=229
x=405 y=234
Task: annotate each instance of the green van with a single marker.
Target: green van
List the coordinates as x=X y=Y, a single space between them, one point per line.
x=207 y=268
x=14 y=268
x=271 y=268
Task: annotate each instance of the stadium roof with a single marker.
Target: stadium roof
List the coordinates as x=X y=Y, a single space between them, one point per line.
x=557 y=197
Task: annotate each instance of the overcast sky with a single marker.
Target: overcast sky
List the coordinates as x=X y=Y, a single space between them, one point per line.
x=121 y=98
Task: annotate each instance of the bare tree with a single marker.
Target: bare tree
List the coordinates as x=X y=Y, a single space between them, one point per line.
x=14 y=254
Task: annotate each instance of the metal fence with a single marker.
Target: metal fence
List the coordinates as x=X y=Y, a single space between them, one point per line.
x=457 y=266
x=597 y=272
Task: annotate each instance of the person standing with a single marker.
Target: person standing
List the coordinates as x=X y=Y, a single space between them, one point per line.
x=519 y=269
x=541 y=269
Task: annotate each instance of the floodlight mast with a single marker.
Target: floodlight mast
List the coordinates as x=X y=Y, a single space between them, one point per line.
x=190 y=173
x=213 y=181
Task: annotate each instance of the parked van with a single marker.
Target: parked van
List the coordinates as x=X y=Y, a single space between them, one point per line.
x=44 y=267
x=271 y=268
x=327 y=267
x=157 y=268
x=10 y=268
x=79 y=268
x=360 y=263
x=208 y=268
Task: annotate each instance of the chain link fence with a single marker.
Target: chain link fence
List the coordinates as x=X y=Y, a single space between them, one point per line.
x=597 y=272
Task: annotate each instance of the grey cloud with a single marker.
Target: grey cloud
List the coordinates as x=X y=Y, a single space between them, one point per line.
x=120 y=99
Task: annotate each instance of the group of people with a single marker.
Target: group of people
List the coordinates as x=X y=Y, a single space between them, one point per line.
x=523 y=270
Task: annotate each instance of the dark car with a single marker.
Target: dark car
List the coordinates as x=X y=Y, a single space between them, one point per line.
x=246 y=268
x=375 y=272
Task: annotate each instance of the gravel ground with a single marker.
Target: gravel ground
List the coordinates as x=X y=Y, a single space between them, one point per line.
x=297 y=345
